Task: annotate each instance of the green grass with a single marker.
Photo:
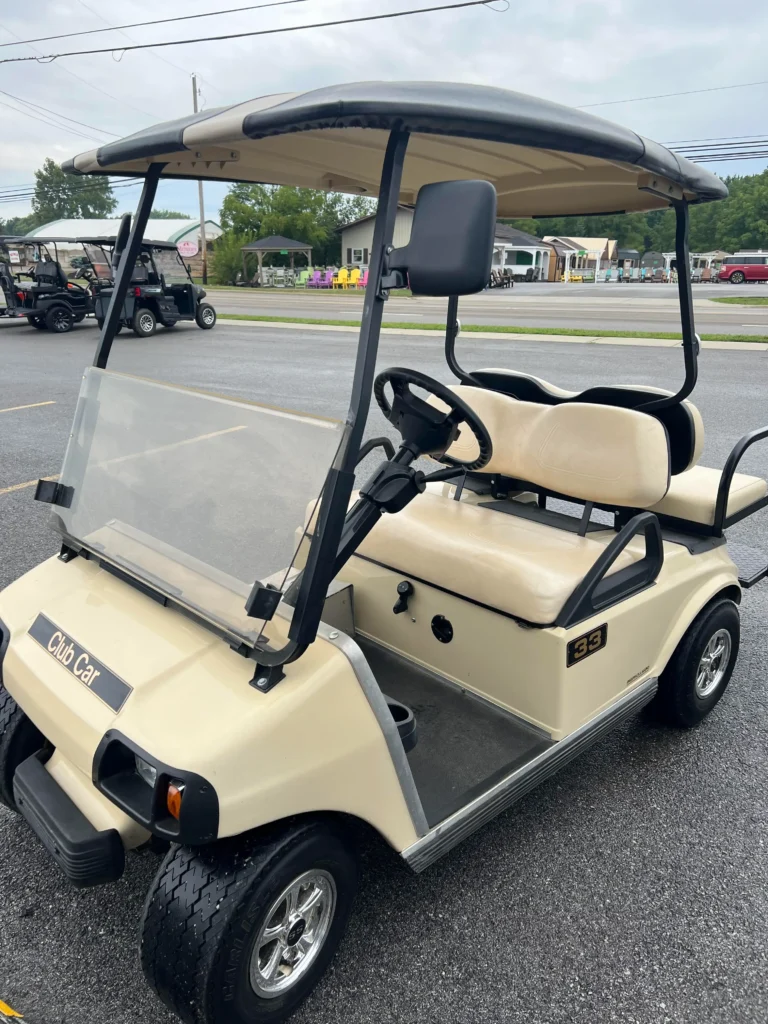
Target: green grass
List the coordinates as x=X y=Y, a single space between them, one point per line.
x=742 y=300
x=493 y=328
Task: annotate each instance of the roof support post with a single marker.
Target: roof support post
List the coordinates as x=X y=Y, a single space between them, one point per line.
x=337 y=491
x=127 y=263
x=690 y=338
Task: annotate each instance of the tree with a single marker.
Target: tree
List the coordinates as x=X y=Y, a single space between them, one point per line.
x=168 y=215
x=61 y=196
x=19 y=225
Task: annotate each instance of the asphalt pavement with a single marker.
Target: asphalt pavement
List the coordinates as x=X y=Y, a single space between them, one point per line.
x=593 y=307
x=633 y=887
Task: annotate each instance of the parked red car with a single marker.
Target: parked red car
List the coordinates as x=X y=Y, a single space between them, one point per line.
x=738 y=269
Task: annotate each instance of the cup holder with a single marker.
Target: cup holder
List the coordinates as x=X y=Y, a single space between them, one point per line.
x=405 y=721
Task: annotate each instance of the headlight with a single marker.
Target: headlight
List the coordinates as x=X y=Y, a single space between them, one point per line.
x=146 y=771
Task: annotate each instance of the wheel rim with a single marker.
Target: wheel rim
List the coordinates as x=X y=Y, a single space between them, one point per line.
x=292 y=933
x=208 y=316
x=713 y=664
x=146 y=323
x=60 y=320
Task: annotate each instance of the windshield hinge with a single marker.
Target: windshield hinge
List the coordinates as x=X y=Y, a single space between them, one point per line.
x=263 y=601
x=267 y=676
x=390 y=278
x=53 y=493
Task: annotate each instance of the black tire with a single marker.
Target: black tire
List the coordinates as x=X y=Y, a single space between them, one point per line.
x=737 y=277
x=679 y=701
x=38 y=322
x=207 y=907
x=205 y=315
x=19 y=739
x=144 y=323
x=79 y=318
x=59 y=320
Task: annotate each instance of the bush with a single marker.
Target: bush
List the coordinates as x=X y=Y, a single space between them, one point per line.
x=227 y=258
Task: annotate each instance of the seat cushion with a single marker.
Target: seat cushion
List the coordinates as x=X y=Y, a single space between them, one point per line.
x=520 y=567
x=692 y=495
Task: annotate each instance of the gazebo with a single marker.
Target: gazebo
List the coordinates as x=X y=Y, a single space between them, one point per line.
x=275 y=243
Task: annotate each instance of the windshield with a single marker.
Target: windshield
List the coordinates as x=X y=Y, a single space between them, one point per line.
x=197 y=494
x=170 y=265
x=99 y=261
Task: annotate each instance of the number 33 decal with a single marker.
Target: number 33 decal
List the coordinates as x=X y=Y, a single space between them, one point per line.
x=583 y=646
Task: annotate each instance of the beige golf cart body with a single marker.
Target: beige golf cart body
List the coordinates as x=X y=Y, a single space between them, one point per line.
x=167 y=518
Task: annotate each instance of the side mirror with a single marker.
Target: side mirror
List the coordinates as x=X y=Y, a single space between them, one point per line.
x=451 y=245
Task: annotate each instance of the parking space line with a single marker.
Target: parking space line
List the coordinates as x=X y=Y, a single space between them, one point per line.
x=32 y=405
x=28 y=483
x=7 y=1012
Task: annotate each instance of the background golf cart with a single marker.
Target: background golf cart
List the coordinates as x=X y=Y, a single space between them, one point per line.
x=44 y=293
x=161 y=287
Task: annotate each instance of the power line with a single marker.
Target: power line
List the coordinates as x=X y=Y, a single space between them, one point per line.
x=259 y=32
x=44 y=120
x=57 y=113
x=724 y=138
x=160 y=21
x=661 y=96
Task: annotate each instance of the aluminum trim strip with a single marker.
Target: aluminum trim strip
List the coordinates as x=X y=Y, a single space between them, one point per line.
x=463 y=823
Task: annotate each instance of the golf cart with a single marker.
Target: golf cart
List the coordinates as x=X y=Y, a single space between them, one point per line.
x=242 y=651
x=44 y=294
x=161 y=287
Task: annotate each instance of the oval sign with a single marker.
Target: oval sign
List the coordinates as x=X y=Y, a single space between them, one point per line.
x=188 y=249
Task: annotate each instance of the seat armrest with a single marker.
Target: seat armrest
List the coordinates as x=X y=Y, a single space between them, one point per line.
x=597 y=591
x=722 y=520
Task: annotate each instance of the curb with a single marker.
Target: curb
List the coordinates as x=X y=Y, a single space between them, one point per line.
x=744 y=346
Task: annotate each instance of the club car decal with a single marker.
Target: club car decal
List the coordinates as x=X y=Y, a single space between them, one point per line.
x=92 y=673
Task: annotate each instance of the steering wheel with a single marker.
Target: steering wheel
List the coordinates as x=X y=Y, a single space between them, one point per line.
x=423 y=425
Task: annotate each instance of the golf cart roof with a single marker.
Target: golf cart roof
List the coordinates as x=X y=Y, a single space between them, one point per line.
x=46 y=239
x=544 y=159
x=110 y=240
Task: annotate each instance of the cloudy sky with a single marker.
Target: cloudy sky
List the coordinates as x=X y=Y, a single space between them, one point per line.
x=577 y=52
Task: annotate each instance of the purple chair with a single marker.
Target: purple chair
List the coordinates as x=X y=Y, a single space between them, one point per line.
x=314 y=280
x=327 y=280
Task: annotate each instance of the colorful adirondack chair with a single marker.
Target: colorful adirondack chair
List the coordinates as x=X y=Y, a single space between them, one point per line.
x=315 y=279
x=354 y=277
x=363 y=280
x=326 y=280
x=341 y=279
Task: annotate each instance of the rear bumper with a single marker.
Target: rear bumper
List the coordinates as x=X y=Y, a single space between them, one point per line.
x=87 y=856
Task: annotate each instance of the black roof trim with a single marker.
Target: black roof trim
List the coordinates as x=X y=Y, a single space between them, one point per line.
x=276 y=242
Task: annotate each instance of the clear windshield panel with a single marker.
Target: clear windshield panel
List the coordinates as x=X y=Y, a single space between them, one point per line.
x=99 y=261
x=197 y=494
x=170 y=265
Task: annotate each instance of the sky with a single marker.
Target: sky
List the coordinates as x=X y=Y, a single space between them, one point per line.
x=575 y=52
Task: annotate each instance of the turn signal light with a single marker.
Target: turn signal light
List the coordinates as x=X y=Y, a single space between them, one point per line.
x=137 y=291
x=173 y=799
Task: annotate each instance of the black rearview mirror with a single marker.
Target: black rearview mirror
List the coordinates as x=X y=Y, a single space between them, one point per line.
x=451 y=245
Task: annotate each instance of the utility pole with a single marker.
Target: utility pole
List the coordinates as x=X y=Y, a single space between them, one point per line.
x=203 y=245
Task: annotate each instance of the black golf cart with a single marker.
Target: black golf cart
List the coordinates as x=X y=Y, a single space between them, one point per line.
x=161 y=287
x=44 y=294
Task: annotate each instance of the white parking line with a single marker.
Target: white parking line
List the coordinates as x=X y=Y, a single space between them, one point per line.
x=32 y=405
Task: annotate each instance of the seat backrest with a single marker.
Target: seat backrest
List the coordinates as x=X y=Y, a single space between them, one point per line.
x=599 y=453
x=49 y=272
x=682 y=422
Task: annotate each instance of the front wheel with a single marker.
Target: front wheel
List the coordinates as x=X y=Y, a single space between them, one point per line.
x=241 y=931
x=205 y=316
x=700 y=669
x=737 y=277
x=144 y=323
x=19 y=739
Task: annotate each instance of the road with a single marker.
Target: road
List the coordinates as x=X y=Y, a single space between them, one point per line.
x=631 y=888
x=593 y=307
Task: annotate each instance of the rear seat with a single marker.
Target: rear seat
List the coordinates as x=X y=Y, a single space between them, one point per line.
x=692 y=493
x=524 y=568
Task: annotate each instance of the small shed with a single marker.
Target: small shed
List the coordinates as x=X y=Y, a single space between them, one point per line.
x=523 y=255
x=278 y=244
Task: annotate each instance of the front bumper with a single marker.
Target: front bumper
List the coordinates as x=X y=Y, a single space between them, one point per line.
x=87 y=856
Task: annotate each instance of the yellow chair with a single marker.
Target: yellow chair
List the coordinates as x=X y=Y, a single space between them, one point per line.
x=341 y=279
x=354 y=277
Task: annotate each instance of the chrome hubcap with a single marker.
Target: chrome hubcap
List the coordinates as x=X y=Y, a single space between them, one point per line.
x=207 y=316
x=145 y=323
x=293 y=933
x=713 y=664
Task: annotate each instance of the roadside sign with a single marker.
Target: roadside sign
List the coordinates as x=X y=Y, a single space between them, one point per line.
x=13 y=256
x=283 y=252
x=188 y=249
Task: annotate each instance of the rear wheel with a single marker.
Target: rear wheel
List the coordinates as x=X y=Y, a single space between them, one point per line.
x=38 y=322
x=19 y=739
x=59 y=319
x=205 y=316
x=100 y=324
x=144 y=322
x=700 y=669
x=241 y=931
x=737 y=277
